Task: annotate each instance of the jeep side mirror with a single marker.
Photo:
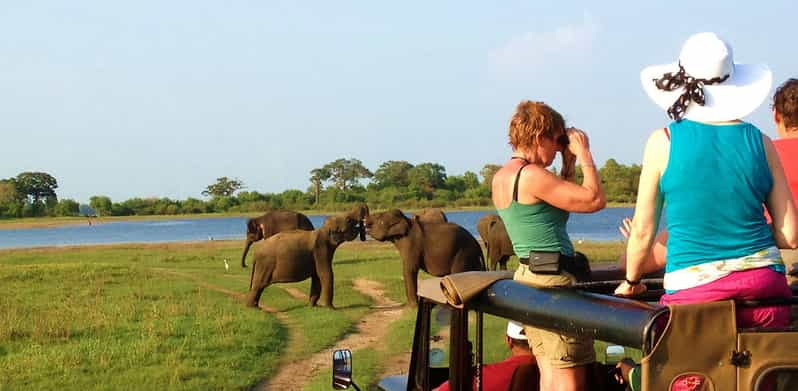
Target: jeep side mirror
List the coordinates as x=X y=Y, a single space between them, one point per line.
x=342 y=370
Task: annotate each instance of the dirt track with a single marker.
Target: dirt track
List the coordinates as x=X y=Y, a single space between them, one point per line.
x=370 y=332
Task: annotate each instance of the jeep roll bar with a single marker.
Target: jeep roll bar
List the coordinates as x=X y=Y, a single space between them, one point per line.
x=612 y=319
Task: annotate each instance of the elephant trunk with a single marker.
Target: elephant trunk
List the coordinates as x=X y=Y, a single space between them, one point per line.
x=361 y=212
x=246 y=249
x=251 y=277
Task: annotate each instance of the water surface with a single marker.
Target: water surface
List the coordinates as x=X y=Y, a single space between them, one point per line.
x=600 y=226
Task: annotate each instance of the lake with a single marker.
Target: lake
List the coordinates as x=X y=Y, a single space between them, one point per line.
x=600 y=226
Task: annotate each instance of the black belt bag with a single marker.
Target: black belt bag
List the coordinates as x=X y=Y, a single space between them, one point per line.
x=541 y=262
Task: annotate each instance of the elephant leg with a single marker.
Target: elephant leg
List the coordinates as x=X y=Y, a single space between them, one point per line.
x=325 y=275
x=261 y=281
x=411 y=286
x=315 y=289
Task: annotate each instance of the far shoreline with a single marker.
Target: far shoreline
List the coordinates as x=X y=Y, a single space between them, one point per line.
x=55 y=222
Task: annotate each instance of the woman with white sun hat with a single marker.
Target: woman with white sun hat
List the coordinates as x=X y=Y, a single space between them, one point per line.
x=712 y=172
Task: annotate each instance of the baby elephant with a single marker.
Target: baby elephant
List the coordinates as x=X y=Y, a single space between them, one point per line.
x=298 y=255
x=497 y=242
x=437 y=248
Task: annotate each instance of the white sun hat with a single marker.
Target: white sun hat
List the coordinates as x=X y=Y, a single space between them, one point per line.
x=736 y=91
x=515 y=330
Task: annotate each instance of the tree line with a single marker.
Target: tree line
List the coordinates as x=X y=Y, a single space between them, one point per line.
x=334 y=186
x=32 y=194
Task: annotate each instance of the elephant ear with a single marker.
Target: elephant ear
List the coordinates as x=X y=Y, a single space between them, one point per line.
x=400 y=226
x=254 y=229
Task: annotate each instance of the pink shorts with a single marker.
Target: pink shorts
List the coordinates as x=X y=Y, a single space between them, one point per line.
x=744 y=285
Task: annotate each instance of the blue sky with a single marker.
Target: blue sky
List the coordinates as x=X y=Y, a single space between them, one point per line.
x=159 y=98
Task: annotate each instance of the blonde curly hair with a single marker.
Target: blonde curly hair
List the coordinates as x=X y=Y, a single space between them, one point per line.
x=532 y=120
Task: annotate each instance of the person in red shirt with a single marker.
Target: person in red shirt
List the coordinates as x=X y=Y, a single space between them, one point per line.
x=496 y=377
x=785 y=115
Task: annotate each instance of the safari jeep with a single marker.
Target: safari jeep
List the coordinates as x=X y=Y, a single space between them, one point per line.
x=685 y=347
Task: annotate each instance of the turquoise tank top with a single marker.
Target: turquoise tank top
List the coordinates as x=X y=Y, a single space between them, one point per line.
x=535 y=227
x=714 y=187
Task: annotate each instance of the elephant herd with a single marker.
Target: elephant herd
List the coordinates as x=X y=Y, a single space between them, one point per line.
x=292 y=250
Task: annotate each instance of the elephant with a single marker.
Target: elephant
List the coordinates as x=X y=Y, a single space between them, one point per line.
x=265 y=226
x=297 y=255
x=437 y=248
x=432 y=215
x=497 y=242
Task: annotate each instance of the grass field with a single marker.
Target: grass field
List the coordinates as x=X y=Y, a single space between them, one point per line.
x=169 y=316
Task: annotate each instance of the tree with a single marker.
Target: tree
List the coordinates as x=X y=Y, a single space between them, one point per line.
x=102 y=205
x=36 y=185
x=427 y=177
x=67 y=207
x=224 y=187
x=620 y=181
x=346 y=173
x=294 y=199
x=317 y=176
x=11 y=200
x=50 y=204
x=193 y=205
x=487 y=172
x=392 y=173
x=471 y=180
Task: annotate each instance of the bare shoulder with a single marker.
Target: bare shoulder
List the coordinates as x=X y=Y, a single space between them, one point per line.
x=536 y=173
x=657 y=148
x=766 y=140
x=770 y=150
x=659 y=136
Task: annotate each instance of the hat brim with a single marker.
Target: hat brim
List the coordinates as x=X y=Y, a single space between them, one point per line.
x=515 y=330
x=735 y=98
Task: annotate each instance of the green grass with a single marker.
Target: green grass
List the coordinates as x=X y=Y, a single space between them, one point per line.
x=168 y=316
x=109 y=327
x=112 y=316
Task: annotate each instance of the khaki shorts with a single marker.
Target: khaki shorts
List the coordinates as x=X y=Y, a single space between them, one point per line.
x=558 y=350
x=790 y=258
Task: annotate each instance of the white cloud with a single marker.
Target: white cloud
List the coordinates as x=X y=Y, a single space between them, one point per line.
x=532 y=52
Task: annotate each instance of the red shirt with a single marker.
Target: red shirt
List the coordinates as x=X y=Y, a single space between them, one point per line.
x=787 y=148
x=496 y=377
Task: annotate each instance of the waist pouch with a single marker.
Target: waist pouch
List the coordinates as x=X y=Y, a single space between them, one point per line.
x=543 y=262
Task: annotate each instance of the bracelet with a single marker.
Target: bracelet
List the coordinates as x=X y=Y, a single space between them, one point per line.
x=633 y=282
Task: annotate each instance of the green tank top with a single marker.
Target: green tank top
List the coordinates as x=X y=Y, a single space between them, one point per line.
x=535 y=227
